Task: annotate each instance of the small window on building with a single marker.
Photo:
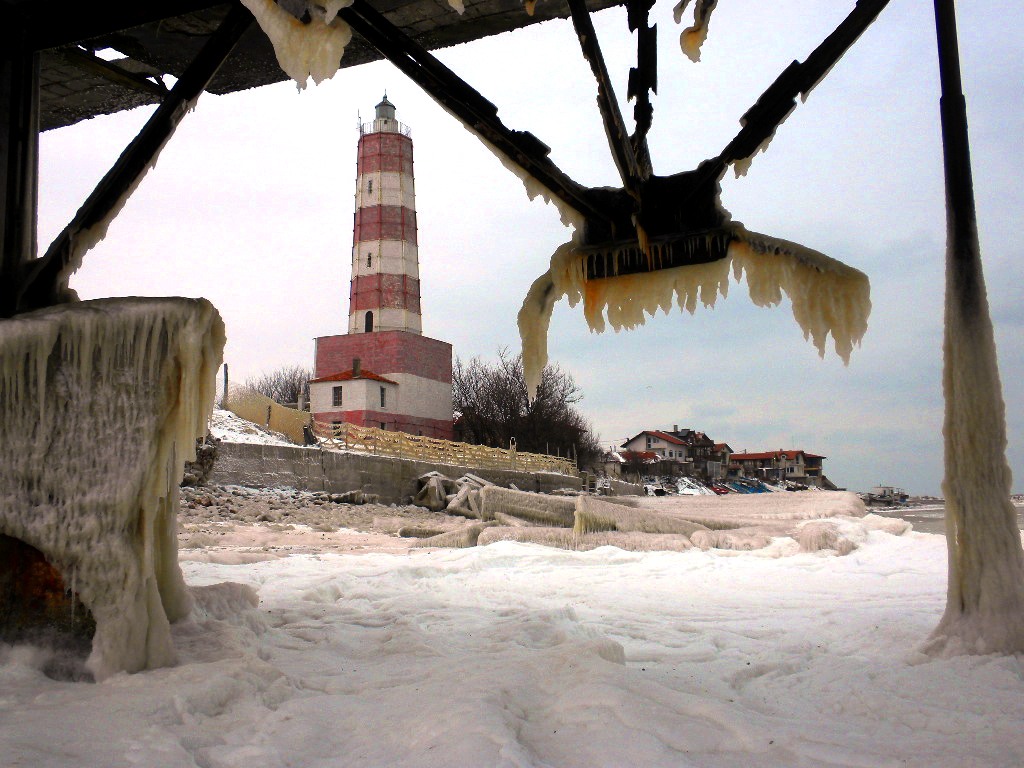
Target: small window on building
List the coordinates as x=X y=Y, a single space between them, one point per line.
x=336 y=396
x=369 y=186
x=368 y=322
x=383 y=397
x=369 y=260
x=383 y=426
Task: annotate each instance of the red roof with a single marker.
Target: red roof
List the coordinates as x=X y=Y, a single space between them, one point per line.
x=791 y=455
x=667 y=437
x=660 y=435
x=349 y=376
x=642 y=455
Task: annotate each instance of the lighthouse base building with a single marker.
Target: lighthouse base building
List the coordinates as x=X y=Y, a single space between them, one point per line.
x=392 y=380
x=384 y=373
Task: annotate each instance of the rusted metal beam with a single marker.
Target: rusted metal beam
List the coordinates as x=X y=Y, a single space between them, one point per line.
x=62 y=22
x=779 y=99
x=19 y=156
x=45 y=276
x=472 y=109
x=114 y=73
x=643 y=78
x=619 y=141
x=961 y=214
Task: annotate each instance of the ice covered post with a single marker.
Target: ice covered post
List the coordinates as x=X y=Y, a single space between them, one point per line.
x=385 y=290
x=101 y=403
x=985 y=598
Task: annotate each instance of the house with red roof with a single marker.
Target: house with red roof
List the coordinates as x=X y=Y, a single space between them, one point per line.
x=686 y=451
x=793 y=465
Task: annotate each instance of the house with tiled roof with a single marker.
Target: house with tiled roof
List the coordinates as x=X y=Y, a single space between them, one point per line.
x=687 y=451
x=794 y=465
x=359 y=396
x=667 y=447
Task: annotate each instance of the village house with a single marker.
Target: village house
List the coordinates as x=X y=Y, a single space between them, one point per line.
x=691 y=453
x=682 y=451
x=665 y=446
x=775 y=466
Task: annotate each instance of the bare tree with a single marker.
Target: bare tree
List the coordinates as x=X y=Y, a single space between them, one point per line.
x=493 y=406
x=283 y=385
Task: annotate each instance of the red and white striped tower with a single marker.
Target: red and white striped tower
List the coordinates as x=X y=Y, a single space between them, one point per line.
x=385 y=291
x=384 y=372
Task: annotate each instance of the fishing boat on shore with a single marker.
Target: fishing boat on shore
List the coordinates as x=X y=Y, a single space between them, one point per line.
x=885 y=496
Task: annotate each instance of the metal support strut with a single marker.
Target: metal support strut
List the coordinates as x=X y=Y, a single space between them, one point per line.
x=43 y=280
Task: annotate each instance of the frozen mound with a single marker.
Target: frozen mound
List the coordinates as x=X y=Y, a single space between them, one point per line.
x=818 y=521
x=740 y=539
x=101 y=403
x=736 y=510
x=461 y=538
x=837 y=535
x=565 y=538
x=594 y=515
x=532 y=507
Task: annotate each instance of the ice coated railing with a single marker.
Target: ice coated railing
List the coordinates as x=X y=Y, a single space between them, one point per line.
x=349 y=437
x=384 y=125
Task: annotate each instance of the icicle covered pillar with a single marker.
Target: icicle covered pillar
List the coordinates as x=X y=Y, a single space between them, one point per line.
x=101 y=403
x=985 y=600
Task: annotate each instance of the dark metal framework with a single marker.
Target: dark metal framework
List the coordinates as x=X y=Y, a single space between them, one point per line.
x=675 y=216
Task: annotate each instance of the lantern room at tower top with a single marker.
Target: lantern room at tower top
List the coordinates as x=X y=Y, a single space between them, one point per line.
x=384 y=373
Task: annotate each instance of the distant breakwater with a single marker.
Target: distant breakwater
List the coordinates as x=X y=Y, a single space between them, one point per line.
x=931 y=518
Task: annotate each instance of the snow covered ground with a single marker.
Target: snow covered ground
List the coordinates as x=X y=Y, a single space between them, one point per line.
x=519 y=655
x=224 y=425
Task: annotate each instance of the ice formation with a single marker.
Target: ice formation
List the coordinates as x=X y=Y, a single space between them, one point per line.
x=985 y=601
x=535 y=507
x=100 y=405
x=828 y=297
x=594 y=516
x=570 y=216
x=307 y=50
x=566 y=538
x=692 y=38
x=86 y=239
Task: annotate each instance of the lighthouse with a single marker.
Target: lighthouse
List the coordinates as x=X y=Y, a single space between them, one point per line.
x=384 y=372
x=385 y=293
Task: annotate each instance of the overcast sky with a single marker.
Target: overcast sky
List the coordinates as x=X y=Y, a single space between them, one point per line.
x=251 y=206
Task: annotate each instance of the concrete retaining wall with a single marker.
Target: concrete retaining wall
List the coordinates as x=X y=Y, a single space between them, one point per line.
x=313 y=469
x=622 y=488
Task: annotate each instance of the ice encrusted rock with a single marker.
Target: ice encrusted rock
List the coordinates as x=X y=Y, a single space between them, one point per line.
x=534 y=507
x=101 y=403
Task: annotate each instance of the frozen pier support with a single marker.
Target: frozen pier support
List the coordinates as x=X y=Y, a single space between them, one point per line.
x=100 y=405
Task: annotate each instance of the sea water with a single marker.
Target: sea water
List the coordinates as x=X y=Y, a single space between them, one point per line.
x=930 y=518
